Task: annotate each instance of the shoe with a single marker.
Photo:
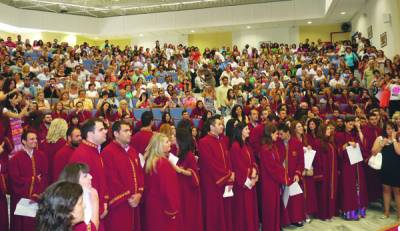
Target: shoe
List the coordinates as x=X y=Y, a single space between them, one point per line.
x=354 y=216
x=385 y=216
x=308 y=220
x=363 y=212
x=347 y=216
x=298 y=224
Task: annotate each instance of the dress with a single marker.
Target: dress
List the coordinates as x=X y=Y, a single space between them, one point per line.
x=390 y=174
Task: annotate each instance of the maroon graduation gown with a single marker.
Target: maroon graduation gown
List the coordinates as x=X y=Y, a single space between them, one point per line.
x=215 y=171
x=50 y=149
x=3 y=192
x=190 y=194
x=140 y=140
x=327 y=187
x=61 y=159
x=273 y=176
x=162 y=206
x=244 y=201
x=294 y=166
x=350 y=175
x=310 y=194
x=84 y=227
x=28 y=179
x=374 y=184
x=255 y=138
x=124 y=177
x=88 y=153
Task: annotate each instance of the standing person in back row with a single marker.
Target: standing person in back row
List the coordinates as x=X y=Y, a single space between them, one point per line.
x=141 y=139
x=27 y=171
x=94 y=134
x=124 y=177
x=216 y=177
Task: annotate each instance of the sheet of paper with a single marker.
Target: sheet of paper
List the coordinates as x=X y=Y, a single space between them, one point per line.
x=248 y=183
x=295 y=189
x=228 y=191
x=354 y=154
x=26 y=208
x=173 y=159
x=141 y=158
x=285 y=196
x=309 y=156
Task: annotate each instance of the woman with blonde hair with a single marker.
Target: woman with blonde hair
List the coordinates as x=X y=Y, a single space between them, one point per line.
x=42 y=102
x=396 y=119
x=55 y=140
x=161 y=198
x=123 y=110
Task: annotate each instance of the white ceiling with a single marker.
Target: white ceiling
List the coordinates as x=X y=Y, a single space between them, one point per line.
x=110 y=8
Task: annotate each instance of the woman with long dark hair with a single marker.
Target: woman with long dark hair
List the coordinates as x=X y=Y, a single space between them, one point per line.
x=327 y=166
x=238 y=113
x=244 y=203
x=273 y=177
x=105 y=111
x=188 y=177
x=60 y=208
x=198 y=111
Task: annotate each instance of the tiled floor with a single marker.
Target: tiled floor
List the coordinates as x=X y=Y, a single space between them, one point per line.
x=371 y=223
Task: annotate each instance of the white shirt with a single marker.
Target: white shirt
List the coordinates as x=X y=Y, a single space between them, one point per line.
x=394 y=91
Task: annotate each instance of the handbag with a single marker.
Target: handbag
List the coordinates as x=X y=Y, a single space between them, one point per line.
x=375 y=162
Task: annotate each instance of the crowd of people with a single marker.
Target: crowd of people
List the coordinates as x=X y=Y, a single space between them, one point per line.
x=236 y=158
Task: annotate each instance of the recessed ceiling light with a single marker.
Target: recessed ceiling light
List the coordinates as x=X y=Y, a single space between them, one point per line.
x=248 y=27
x=309 y=22
x=192 y=31
x=141 y=35
x=343 y=12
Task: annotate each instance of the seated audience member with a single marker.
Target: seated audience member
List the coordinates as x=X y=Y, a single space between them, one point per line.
x=160 y=100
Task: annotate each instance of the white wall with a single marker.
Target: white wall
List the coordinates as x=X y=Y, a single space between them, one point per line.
x=149 y=40
x=254 y=37
x=372 y=14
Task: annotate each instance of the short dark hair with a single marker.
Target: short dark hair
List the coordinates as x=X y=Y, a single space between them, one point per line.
x=283 y=127
x=146 y=118
x=89 y=126
x=25 y=134
x=116 y=127
x=71 y=129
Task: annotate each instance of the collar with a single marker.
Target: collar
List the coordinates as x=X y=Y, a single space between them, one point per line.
x=93 y=145
x=30 y=153
x=214 y=136
x=125 y=147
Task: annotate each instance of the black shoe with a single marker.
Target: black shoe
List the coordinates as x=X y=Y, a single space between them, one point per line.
x=298 y=224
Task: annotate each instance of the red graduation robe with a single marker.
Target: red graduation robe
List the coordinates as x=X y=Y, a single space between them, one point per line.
x=3 y=192
x=374 y=184
x=273 y=176
x=61 y=159
x=351 y=175
x=215 y=171
x=124 y=177
x=294 y=166
x=255 y=138
x=190 y=194
x=162 y=206
x=28 y=179
x=140 y=140
x=50 y=149
x=244 y=202
x=84 y=227
x=327 y=187
x=310 y=194
x=88 y=153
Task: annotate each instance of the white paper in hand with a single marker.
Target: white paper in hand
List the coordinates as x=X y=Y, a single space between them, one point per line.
x=26 y=208
x=173 y=159
x=141 y=158
x=295 y=189
x=309 y=156
x=285 y=196
x=354 y=154
x=248 y=183
x=228 y=191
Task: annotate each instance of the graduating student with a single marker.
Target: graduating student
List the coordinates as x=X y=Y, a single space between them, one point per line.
x=189 y=184
x=273 y=176
x=162 y=205
x=371 y=131
x=328 y=168
x=216 y=177
x=88 y=152
x=141 y=139
x=124 y=177
x=27 y=171
x=55 y=140
x=244 y=202
x=3 y=188
x=353 y=187
x=294 y=167
x=63 y=155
